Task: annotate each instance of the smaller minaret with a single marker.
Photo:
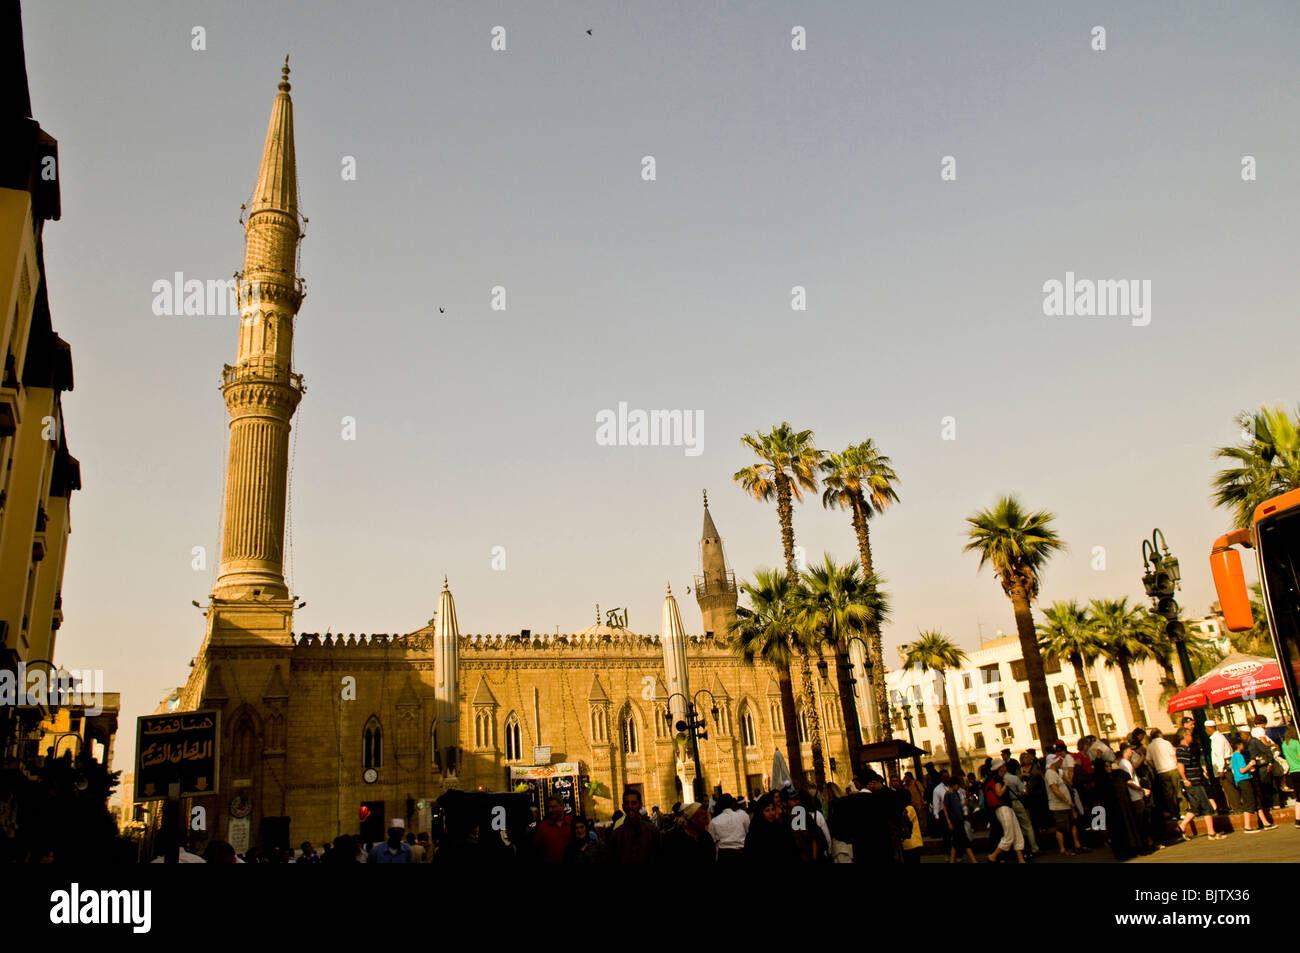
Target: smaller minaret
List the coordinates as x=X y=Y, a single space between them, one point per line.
x=674 y=644
x=446 y=671
x=715 y=588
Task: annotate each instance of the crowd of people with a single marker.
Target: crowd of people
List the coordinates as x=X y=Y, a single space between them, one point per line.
x=1134 y=796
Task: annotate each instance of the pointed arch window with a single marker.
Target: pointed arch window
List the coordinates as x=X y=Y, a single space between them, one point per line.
x=723 y=722
x=660 y=718
x=778 y=723
x=372 y=741
x=748 y=730
x=433 y=743
x=485 y=728
x=245 y=742
x=514 y=742
x=599 y=724
x=803 y=724
x=831 y=712
x=629 y=733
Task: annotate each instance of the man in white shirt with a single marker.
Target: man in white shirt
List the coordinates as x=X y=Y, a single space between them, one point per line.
x=1164 y=761
x=939 y=793
x=1220 y=766
x=729 y=828
x=1061 y=803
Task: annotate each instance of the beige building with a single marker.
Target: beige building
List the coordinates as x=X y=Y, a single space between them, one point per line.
x=992 y=709
x=37 y=473
x=315 y=726
x=81 y=732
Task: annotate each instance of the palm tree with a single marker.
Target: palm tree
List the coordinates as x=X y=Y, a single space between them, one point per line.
x=1018 y=544
x=934 y=652
x=767 y=630
x=1268 y=463
x=1066 y=634
x=841 y=605
x=1124 y=639
x=787 y=465
x=861 y=480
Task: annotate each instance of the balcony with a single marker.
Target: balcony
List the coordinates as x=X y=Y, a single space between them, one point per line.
x=262 y=370
x=705 y=586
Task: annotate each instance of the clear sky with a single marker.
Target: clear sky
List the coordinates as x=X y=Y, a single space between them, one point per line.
x=775 y=168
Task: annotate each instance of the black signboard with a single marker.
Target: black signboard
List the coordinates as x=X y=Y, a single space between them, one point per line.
x=180 y=747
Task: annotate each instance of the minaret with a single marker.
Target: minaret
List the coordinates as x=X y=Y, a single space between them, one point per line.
x=446 y=673
x=715 y=590
x=261 y=389
x=673 y=639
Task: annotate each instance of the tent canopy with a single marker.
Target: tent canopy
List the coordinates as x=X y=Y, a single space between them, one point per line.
x=1237 y=678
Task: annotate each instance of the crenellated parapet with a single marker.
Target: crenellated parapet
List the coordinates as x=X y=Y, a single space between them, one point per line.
x=378 y=641
x=499 y=645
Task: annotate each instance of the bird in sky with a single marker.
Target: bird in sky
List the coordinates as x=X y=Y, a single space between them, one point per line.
x=588 y=33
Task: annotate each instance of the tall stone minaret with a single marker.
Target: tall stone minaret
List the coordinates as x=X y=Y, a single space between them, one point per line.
x=673 y=641
x=446 y=674
x=261 y=389
x=715 y=590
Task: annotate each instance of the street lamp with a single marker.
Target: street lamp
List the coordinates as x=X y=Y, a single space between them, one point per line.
x=1078 y=718
x=906 y=707
x=695 y=728
x=1161 y=577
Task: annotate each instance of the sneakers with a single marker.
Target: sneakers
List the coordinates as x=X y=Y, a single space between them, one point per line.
x=1252 y=830
x=1270 y=827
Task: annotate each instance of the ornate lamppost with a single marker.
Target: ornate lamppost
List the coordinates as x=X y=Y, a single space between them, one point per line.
x=696 y=728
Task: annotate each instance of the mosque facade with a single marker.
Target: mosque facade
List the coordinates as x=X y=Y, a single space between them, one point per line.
x=317 y=731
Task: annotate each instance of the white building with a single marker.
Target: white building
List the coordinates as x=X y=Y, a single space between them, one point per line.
x=1211 y=627
x=992 y=710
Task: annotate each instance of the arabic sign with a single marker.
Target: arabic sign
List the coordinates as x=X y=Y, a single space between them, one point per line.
x=542 y=781
x=239 y=834
x=176 y=748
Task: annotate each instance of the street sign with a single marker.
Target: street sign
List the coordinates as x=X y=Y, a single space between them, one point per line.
x=179 y=748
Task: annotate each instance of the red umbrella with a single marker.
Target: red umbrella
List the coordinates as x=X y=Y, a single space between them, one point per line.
x=1237 y=678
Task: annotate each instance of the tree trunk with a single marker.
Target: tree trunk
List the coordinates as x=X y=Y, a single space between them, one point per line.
x=1043 y=714
x=848 y=708
x=1136 y=713
x=949 y=736
x=1085 y=692
x=790 y=724
x=789 y=715
x=875 y=646
x=785 y=511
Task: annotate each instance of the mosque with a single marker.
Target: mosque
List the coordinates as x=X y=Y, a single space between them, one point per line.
x=315 y=728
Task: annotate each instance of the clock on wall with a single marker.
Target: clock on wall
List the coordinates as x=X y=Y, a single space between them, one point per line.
x=370 y=776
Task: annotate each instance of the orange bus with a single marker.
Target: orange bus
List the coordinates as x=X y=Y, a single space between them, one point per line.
x=1274 y=534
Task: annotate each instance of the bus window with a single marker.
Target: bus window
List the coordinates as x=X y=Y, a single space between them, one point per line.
x=1279 y=559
